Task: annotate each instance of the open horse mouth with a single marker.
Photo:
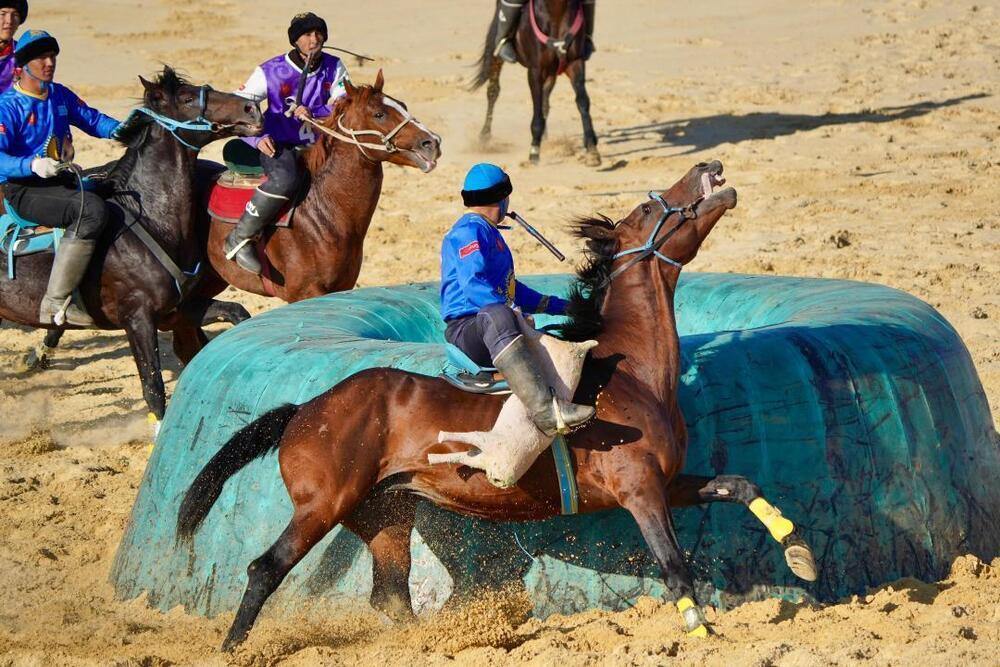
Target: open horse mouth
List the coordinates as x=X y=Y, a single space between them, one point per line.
x=711 y=181
x=425 y=163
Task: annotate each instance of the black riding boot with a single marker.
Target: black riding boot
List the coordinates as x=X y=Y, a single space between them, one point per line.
x=261 y=210
x=507 y=20
x=588 y=20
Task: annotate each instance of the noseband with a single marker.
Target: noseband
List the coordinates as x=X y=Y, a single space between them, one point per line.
x=350 y=136
x=653 y=244
x=199 y=124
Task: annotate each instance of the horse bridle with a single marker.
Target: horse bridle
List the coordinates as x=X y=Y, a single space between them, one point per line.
x=350 y=136
x=653 y=244
x=199 y=124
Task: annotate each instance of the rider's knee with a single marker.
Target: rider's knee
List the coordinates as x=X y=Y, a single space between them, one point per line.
x=89 y=222
x=499 y=315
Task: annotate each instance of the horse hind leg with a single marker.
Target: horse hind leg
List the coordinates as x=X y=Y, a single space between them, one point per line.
x=492 y=94
x=694 y=490
x=305 y=529
x=385 y=523
x=577 y=72
x=536 y=84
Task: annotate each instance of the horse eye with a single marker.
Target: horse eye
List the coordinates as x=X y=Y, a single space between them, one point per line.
x=379 y=115
x=646 y=209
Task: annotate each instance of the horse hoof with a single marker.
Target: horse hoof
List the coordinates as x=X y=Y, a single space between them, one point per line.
x=36 y=360
x=535 y=156
x=592 y=158
x=800 y=559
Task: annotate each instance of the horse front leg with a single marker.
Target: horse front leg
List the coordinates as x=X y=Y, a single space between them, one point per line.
x=492 y=93
x=537 y=86
x=40 y=357
x=649 y=505
x=687 y=490
x=140 y=329
x=577 y=72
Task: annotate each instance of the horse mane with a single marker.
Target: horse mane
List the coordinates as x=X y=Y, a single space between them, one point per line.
x=317 y=155
x=586 y=296
x=136 y=127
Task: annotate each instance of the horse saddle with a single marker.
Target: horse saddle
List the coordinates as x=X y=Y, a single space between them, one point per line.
x=467 y=375
x=233 y=188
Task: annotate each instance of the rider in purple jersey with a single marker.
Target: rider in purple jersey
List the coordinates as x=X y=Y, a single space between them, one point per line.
x=12 y=15
x=277 y=81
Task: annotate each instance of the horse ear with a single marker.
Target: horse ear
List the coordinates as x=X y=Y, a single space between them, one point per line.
x=379 y=81
x=154 y=94
x=350 y=88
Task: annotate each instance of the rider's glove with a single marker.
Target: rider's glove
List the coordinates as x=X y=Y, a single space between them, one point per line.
x=45 y=167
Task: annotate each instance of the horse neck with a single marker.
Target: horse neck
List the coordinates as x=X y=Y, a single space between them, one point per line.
x=639 y=325
x=556 y=14
x=346 y=176
x=162 y=176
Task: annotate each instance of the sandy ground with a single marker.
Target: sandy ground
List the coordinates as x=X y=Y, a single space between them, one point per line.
x=862 y=139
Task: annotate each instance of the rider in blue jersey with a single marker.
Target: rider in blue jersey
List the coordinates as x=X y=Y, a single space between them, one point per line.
x=35 y=117
x=479 y=289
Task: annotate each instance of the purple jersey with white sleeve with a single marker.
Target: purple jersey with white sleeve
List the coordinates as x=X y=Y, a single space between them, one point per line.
x=7 y=66
x=277 y=81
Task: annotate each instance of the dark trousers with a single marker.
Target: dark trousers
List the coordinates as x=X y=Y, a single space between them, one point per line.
x=484 y=335
x=56 y=202
x=283 y=171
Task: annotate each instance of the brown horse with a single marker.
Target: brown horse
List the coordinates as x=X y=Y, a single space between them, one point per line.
x=346 y=458
x=561 y=52
x=321 y=252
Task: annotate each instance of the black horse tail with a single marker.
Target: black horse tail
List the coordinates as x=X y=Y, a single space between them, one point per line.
x=485 y=63
x=259 y=438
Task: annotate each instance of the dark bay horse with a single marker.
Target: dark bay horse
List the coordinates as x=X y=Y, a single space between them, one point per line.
x=321 y=251
x=346 y=458
x=562 y=52
x=127 y=286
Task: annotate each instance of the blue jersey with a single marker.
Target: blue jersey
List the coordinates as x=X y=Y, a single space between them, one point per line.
x=32 y=126
x=477 y=270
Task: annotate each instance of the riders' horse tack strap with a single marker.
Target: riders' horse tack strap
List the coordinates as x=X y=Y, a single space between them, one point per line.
x=569 y=496
x=559 y=45
x=183 y=279
x=387 y=144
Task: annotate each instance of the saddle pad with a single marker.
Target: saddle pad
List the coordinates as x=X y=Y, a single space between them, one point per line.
x=229 y=195
x=17 y=240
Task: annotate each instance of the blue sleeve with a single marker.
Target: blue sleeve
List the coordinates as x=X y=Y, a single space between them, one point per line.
x=472 y=267
x=11 y=166
x=90 y=120
x=532 y=302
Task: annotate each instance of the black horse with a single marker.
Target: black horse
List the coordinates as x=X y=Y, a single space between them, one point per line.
x=145 y=264
x=553 y=49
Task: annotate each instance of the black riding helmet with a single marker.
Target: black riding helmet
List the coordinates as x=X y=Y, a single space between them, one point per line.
x=303 y=23
x=20 y=5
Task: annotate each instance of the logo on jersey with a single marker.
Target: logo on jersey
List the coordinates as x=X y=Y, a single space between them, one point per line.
x=468 y=249
x=286 y=89
x=500 y=245
x=31 y=118
x=3 y=129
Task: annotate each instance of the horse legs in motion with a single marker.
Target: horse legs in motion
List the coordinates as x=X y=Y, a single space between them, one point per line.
x=577 y=75
x=40 y=357
x=492 y=93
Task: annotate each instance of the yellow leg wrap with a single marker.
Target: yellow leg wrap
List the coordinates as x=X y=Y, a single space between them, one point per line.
x=770 y=516
x=685 y=604
x=151 y=418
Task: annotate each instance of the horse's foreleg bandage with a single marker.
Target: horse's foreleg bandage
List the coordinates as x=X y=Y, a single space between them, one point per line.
x=770 y=516
x=694 y=620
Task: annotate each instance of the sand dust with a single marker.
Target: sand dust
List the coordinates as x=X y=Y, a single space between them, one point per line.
x=862 y=137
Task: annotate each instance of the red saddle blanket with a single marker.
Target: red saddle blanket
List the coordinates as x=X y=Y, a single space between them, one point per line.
x=229 y=195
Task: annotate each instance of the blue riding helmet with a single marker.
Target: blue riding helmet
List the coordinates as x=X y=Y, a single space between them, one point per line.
x=32 y=44
x=486 y=184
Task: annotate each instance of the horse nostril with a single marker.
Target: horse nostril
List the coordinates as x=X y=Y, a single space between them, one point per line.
x=429 y=144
